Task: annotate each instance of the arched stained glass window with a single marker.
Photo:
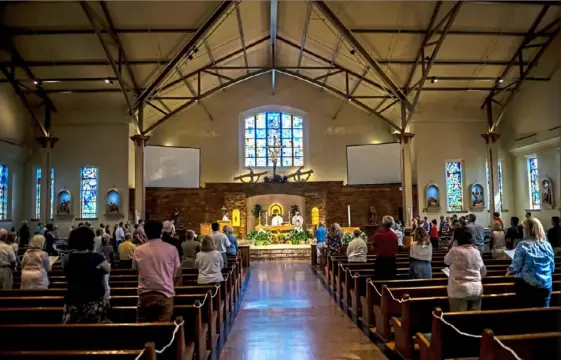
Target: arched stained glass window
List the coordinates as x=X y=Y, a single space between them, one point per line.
x=52 y=193
x=88 y=193
x=38 y=193
x=273 y=136
x=501 y=183
x=454 y=186
x=534 y=183
x=3 y=192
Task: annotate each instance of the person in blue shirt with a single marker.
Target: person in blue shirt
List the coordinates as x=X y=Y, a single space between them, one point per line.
x=233 y=248
x=321 y=236
x=533 y=265
x=442 y=223
x=321 y=233
x=477 y=232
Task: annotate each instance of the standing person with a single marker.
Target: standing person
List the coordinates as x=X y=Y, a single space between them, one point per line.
x=159 y=269
x=221 y=241
x=190 y=249
x=321 y=236
x=40 y=229
x=167 y=237
x=85 y=271
x=24 y=233
x=554 y=235
x=35 y=265
x=497 y=217
x=50 y=240
x=141 y=233
x=399 y=233
x=477 y=232
x=119 y=235
x=7 y=262
x=357 y=248
x=426 y=223
x=334 y=242
x=466 y=271
x=385 y=243
x=97 y=240
x=434 y=234
x=497 y=241
x=176 y=216
x=209 y=262
x=107 y=249
x=297 y=220
x=533 y=265
x=420 y=255
x=233 y=248
x=108 y=229
x=126 y=252
x=514 y=233
x=442 y=223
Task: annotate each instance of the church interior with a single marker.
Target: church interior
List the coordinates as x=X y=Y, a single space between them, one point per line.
x=276 y=118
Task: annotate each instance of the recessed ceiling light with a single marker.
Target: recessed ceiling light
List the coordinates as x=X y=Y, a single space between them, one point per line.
x=35 y=82
x=500 y=80
x=434 y=80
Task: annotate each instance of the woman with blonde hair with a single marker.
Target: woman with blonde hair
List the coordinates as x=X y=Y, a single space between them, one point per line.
x=497 y=241
x=35 y=265
x=421 y=256
x=209 y=261
x=533 y=265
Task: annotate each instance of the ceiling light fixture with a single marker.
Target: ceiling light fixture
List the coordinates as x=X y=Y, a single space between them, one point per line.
x=51 y=81
x=35 y=82
x=500 y=80
x=434 y=80
x=108 y=81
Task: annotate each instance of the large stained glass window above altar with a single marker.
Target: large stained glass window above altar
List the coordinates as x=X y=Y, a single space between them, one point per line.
x=273 y=135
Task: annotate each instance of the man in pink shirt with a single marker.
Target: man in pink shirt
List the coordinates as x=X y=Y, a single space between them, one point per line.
x=158 y=268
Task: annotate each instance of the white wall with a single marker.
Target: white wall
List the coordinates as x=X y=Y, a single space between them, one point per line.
x=437 y=142
x=325 y=138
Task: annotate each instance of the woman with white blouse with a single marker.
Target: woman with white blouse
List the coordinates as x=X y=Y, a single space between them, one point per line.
x=209 y=261
x=466 y=271
x=35 y=265
x=420 y=255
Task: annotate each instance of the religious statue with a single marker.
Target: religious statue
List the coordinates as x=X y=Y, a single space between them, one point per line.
x=432 y=196
x=432 y=203
x=477 y=197
x=547 y=194
x=64 y=207
x=277 y=220
x=372 y=216
x=224 y=214
x=297 y=220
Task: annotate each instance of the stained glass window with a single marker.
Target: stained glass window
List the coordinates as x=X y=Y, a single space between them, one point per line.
x=3 y=192
x=501 y=183
x=454 y=188
x=273 y=134
x=52 y=193
x=488 y=177
x=534 y=183
x=38 y=193
x=88 y=193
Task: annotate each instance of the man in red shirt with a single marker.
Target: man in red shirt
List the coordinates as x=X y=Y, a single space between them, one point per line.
x=385 y=243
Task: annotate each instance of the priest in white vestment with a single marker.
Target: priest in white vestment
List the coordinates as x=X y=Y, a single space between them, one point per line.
x=277 y=220
x=297 y=220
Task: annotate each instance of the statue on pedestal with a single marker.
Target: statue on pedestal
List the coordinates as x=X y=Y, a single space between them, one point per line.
x=372 y=216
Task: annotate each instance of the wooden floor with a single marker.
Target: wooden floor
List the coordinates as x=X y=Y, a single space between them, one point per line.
x=287 y=314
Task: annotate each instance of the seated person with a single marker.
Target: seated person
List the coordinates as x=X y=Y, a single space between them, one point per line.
x=209 y=262
x=357 y=248
x=276 y=220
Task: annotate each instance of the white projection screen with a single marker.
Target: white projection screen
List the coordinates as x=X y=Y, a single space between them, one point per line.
x=374 y=164
x=166 y=166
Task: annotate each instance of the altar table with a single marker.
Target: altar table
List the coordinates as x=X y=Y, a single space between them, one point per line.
x=281 y=228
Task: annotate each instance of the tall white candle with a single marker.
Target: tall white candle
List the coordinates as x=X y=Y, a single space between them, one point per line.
x=349 y=215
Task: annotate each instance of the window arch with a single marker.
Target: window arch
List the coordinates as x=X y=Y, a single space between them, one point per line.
x=454 y=186
x=273 y=135
x=88 y=193
x=534 y=183
x=3 y=192
x=38 y=193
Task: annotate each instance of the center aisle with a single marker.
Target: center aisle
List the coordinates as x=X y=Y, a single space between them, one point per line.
x=287 y=314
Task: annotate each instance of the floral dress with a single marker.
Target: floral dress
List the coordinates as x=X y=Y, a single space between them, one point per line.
x=334 y=243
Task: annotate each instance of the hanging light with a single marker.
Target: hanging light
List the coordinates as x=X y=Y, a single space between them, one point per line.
x=434 y=80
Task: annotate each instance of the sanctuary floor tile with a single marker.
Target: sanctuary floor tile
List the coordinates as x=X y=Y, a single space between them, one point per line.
x=287 y=314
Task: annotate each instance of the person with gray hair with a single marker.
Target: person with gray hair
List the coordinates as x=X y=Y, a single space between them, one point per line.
x=35 y=265
x=397 y=230
x=7 y=261
x=357 y=250
x=190 y=249
x=385 y=243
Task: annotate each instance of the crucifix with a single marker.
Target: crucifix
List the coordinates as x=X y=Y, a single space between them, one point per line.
x=223 y=210
x=274 y=151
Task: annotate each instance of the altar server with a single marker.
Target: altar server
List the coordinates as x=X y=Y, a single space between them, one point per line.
x=297 y=220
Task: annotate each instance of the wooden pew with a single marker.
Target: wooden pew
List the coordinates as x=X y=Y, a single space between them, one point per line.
x=536 y=346
x=25 y=340
x=416 y=316
x=445 y=342
x=148 y=353
x=389 y=307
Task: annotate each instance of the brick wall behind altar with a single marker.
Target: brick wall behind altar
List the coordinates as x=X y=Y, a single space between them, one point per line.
x=330 y=197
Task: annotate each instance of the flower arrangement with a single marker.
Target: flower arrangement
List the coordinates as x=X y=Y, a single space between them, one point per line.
x=296 y=237
x=260 y=237
x=348 y=237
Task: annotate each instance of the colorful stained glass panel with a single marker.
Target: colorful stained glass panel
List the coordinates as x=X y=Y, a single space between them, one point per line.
x=52 y=193
x=273 y=130
x=88 y=193
x=501 y=183
x=38 y=193
x=454 y=186
x=534 y=183
x=3 y=192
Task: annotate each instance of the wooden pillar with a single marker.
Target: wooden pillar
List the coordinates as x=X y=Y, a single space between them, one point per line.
x=47 y=143
x=406 y=176
x=493 y=163
x=139 y=186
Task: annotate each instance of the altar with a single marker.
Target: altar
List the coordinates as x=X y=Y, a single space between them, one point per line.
x=281 y=228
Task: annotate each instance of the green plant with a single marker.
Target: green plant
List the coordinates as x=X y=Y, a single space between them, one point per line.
x=260 y=237
x=348 y=237
x=295 y=237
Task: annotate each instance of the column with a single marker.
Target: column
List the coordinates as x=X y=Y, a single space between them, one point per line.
x=406 y=176
x=493 y=161
x=46 y=143
x=139 y=186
